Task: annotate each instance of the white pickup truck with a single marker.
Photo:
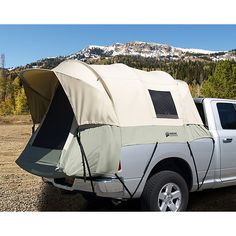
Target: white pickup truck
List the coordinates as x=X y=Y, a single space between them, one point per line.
x=122 y=133
x=167 y=179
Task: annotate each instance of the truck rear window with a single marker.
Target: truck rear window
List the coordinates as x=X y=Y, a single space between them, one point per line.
x=227 y=114
x=201 y=113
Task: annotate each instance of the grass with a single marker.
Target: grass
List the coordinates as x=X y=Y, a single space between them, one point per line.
x=15 y=119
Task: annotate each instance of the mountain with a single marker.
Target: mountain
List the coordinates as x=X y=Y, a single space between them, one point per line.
x=156 y=51
x=153 y=50
x=142 y=49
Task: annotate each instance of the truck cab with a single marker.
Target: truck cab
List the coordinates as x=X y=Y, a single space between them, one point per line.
x=219 y=116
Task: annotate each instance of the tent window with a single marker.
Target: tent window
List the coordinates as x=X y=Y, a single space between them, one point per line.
x=163 y=104
x=57 y=124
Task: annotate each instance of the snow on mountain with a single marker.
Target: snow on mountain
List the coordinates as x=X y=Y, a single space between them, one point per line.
x=144 y=49
x=197 y=51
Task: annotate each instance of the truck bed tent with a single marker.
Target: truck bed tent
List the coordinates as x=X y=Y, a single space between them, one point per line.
x=111 y=106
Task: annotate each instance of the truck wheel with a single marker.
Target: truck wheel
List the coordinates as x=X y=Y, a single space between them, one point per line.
x=165 y=191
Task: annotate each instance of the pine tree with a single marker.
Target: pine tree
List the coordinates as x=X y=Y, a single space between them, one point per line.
x=222 y=84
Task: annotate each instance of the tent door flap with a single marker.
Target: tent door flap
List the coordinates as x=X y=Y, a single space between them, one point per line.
x=42 y=153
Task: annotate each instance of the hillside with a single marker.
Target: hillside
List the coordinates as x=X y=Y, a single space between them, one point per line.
x=191 y=65
x=155 y=51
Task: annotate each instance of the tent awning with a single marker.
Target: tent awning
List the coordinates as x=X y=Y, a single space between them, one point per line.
x=89 y=101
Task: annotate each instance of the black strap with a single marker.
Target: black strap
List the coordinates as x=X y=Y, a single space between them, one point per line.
x=144 y=172
x=82 y=155
x=121 y=181
x=85 y=161
x=146 y=168
x=33 y=128
x=195 y=165
x=209 y=164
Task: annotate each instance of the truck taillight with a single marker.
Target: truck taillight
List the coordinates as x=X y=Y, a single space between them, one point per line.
x=119 y=167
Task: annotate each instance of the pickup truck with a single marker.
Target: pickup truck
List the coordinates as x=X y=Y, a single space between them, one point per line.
x=163 y=182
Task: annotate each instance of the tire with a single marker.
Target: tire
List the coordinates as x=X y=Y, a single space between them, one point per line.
x=165 y=191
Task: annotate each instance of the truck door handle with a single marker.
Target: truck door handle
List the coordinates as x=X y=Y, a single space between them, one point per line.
x=227 y=140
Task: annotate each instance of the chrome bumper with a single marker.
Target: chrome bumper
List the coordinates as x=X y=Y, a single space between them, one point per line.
x=106 y=187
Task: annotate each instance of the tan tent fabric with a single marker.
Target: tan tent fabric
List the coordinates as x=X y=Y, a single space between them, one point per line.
x=90 y=102
x=91 y=105
x=129 y=89
x=39 y=87
x=109 y=94
x=187 y=105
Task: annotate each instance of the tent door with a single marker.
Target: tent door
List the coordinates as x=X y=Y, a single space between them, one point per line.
x=42 y=153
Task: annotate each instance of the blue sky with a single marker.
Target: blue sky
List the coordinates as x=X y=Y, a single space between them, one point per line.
x=23 y=44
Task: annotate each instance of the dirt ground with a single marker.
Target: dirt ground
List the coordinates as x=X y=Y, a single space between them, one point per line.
x=21 y=191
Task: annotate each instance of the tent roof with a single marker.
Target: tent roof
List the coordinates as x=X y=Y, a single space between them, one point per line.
x=108 y=94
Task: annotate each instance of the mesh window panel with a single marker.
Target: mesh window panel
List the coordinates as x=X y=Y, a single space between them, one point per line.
x=163 y=104
x=227 y=114
x=57 y=124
